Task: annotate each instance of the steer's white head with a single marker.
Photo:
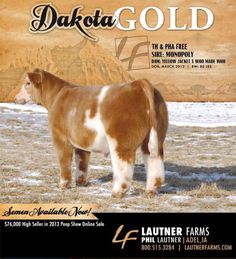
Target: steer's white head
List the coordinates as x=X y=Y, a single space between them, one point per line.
x=23 y=96
x=34 y=85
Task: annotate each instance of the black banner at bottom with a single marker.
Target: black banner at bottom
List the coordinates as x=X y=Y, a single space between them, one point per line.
x=152 y=235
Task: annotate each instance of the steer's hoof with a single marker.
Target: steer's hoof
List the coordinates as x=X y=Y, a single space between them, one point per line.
x=65 y=184
x=151 y=193
x=117 y=194
x=81 y=181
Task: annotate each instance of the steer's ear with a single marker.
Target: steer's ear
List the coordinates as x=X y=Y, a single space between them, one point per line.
x=35 y=78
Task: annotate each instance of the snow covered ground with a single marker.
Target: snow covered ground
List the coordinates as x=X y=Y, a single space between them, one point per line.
x=202 y=114
x=13 y=107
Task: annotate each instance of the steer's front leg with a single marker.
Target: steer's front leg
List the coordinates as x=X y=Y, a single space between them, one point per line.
x=81 y=163
x=64 y=153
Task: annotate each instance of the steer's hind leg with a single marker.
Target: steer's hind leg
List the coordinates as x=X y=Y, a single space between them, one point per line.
x=64 y=153
x=154 y=166
x=122 y=175
x=81 y=162
x=123 y=167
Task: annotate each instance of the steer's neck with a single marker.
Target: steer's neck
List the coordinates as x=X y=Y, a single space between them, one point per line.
x=50 y=93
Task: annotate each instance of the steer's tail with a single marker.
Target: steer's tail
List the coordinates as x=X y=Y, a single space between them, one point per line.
x=158 y=119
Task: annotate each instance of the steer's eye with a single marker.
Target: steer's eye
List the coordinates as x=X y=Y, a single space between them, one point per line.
x=27 y=85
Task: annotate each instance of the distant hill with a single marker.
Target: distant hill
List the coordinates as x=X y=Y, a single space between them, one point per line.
x=86 y=63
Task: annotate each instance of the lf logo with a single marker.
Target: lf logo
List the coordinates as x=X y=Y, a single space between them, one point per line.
x=133 y=52
x=126 y=238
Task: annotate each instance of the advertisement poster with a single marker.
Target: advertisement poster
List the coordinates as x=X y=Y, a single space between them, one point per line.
x=117 y=129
